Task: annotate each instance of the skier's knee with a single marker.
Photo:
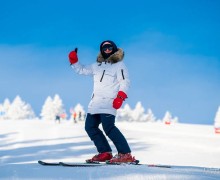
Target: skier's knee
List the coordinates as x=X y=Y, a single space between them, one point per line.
x=91 y=131
x=108 y=130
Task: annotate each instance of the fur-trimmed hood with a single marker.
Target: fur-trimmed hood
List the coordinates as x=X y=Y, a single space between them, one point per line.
x=114 y=58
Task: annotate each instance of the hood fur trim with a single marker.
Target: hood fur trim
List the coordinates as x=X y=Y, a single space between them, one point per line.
x=114 y=58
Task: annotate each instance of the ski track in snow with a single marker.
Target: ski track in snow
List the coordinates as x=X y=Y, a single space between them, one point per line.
x=193 y=150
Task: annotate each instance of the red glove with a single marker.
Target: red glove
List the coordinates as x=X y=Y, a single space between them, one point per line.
x=119 y=99
x=73 y=58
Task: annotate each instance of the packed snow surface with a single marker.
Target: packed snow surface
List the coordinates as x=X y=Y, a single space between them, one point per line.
x=193 y=151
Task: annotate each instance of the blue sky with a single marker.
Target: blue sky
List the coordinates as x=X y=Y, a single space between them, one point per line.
x=172 y=50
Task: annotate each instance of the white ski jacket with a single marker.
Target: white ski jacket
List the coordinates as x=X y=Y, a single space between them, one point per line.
x=109 y=77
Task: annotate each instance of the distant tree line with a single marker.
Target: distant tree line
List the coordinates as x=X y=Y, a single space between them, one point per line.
x=53 y=107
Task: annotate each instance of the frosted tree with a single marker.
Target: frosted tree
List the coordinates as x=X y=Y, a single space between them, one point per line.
x=2 y=113
x=175 y=120
x=124 y=114
x=6 y=104
x=150 y=116
x=58 y=105
x=4 y=109
x=138 y=114
x=217 y=119
x=167 y=118
x=20 y=110
x=47 y=111
x=52 y=108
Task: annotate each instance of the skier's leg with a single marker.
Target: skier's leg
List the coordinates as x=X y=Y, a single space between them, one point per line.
x=108 y=124
x=95 y=134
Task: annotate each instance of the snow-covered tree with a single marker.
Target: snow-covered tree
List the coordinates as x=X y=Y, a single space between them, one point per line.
x=20 y=110
x=167 y=118
x=124 y=114
x=4 y=109
x=2 y=113
x=47 y=112
x=175 y=120
x=58 y=105
x=217 y=119
x=138 y=114
x=6 y=104
x=52 y=108
x=150 y=116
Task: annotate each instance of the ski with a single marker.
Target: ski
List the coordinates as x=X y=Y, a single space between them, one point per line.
x=96 y=164
x=75 y=164
x=157 y=165
x=48 y=163
x=69 y=164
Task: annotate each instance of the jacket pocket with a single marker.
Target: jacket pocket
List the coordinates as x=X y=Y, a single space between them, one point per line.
x=108 y=77
x=102 y=75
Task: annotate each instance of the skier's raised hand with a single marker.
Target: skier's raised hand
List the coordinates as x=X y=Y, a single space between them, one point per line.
x=73 y=58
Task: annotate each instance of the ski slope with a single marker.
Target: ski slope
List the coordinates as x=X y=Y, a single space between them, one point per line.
x=192 y=150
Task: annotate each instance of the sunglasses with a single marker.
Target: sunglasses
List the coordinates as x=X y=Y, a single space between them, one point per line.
x=107 y=47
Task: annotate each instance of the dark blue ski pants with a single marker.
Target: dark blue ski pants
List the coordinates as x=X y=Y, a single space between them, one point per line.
x=108 y=124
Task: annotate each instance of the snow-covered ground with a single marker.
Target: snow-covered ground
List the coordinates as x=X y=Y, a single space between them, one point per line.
x=193 y=150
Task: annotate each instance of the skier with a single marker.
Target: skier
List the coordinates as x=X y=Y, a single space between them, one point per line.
x=80 y=116
x=111 y=83
x=57 y=118
x=74 y=117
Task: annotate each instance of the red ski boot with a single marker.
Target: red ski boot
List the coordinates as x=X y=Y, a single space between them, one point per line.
x=122 y=158
x=101 y=157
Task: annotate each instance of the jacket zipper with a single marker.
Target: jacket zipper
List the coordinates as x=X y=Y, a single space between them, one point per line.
x=102 y=75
